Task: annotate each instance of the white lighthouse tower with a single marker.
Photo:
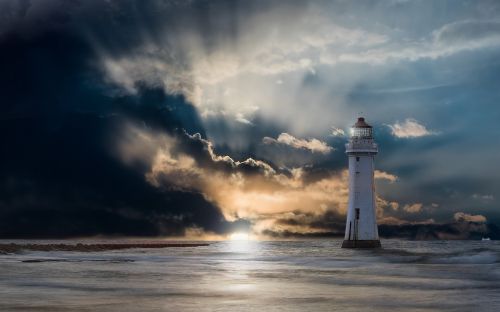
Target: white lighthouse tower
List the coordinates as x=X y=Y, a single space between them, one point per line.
x=361 y=226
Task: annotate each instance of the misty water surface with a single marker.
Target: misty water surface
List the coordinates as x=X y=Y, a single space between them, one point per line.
x=258 y=276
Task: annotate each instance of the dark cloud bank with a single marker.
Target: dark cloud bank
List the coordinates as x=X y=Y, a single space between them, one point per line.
x=331 y=224
x=60 y=176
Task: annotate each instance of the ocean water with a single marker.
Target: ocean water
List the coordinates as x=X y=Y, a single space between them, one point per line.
x=258 y=276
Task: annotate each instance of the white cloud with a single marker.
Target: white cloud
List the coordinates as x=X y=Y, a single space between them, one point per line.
x=383 y=205
x=465 y=217
x=452 y=38
x=396 y=221
x=410 y=128
x=485 y=197
x=337 y=131
x=382 y=175
x=279 y=40
x=241 y=119
x=314 y=145
x=413 y=208
x=485 y=31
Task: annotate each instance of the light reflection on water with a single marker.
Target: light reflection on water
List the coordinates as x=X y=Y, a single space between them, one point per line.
x=258 y=276
x=242 y=246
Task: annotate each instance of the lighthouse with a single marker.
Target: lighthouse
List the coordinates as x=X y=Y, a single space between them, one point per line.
x=361 y=225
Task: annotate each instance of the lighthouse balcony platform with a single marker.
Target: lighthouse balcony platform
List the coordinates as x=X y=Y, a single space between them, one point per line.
x=362 y=146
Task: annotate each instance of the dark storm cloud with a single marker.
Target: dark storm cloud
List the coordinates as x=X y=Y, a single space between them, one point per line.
x=60 y=177
x=62 y=181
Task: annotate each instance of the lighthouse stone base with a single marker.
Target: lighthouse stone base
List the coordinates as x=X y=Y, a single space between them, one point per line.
x=361 y=244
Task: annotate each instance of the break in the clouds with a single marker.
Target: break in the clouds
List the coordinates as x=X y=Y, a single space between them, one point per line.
x=200 y=118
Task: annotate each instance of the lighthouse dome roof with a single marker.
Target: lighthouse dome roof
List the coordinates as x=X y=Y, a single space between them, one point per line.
x=361 y=123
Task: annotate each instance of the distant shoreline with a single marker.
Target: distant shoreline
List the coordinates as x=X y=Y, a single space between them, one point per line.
x=11 y=248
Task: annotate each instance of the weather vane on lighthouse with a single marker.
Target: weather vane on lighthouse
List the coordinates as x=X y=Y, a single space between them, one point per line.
x=361 y=225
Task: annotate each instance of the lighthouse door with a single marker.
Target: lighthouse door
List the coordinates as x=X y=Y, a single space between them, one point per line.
x=356 y=224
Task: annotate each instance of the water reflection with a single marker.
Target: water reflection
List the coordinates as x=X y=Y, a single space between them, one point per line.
x=242 y=246
x=246 y=275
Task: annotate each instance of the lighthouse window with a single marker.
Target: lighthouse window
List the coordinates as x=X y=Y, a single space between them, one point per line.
x=362 y=132
x=357 y=158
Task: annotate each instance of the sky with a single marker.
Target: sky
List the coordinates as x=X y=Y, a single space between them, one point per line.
x=199 y=119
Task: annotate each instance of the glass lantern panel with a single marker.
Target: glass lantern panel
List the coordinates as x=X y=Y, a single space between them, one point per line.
x=362 y=132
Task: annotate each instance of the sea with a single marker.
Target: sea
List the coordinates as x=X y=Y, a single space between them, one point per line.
x=308 y=275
